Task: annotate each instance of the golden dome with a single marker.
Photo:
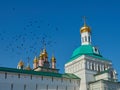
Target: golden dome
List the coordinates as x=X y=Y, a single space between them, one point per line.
x=85 y=29
x=28 y=68
x=41 y=56
x=53 y=59
x=44 y=54
x=35 y=60
x=21 y=63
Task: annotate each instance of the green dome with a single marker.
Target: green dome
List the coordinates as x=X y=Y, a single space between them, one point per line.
x=86 y=50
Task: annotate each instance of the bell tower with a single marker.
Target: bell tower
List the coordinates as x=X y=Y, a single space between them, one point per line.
x=85 y=34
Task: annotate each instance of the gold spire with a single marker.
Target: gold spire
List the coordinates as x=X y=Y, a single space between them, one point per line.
x=35 y=60
x=85 y=28
x=20 y=64
x=53 y=59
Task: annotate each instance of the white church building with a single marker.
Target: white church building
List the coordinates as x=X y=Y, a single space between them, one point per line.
x=87 y=69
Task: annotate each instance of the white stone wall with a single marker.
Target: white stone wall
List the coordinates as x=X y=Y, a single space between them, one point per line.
x=104 y=76
x=78 y=67
x=96 y=86
x=86 y=67
x=104 y=85
x=27 y=82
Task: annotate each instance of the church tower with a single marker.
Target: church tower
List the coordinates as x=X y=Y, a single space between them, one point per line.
x=35 y=63
x=53 y=61
x=86 y=60
x=85 y=35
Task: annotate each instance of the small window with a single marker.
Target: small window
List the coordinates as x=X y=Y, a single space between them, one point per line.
x=85 y=38
x=47 y=87
x=95 y=50
x=52 y=79
x=66 y=88
x=89 y=38
x=11 y=86
x=18 y=75
x=92 y=66
x=24 y=87
x=111 y=74
x=36 y=86
x=31 y=77
x=5 y=75
x=57 y=88
x=98 y=68
x=42 y=77
x=61 y=79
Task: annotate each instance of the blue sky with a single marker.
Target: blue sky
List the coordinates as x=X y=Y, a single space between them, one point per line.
x=25 y=23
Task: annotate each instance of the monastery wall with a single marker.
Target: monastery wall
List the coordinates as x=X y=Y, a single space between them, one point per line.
x=16 y=81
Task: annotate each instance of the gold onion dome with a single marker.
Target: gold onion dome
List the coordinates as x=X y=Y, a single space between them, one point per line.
x=85 y=28
x=28 y=67
x=35 y=60
x=53 y=59
x=21 y=63
x=44 y=53
x=41 y=56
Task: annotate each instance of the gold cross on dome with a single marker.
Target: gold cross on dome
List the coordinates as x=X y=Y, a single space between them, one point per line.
x=84 y=19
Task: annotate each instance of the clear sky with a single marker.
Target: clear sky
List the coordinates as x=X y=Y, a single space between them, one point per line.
x=24 y=24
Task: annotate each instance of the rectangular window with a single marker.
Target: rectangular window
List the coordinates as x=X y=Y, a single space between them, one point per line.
x=61 y=79
x=57 y=88
x=42 y=77
x=36 y=86
x=31 y=77
x=85 y=38
x=66 y=88
x=11 y=86
x=47 y=87
x=24 y=87
x=52 y=79
x=5 y=75
x=18 y=75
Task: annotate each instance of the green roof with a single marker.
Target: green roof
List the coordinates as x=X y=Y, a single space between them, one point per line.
x=85 y=50
x=32 y=72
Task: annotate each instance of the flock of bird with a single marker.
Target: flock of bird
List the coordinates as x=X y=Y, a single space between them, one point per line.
x=29 y=41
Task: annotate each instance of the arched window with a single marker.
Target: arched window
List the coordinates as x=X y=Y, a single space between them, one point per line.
x=92 y=66
x=98 y=68
x=89 y=38
x=85 y=38
x=111 y=74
